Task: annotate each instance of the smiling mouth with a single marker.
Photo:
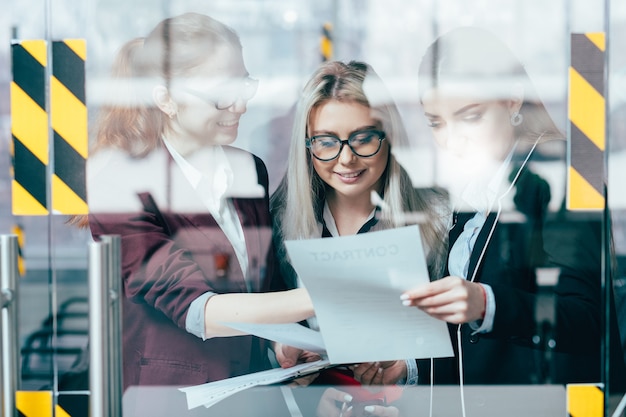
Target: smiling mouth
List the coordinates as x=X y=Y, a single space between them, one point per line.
x=228 y=123
x=350 y=174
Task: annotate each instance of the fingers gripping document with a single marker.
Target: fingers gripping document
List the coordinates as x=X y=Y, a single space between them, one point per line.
x=355 y=283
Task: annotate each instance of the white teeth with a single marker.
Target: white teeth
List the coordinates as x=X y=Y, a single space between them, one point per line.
x=228 y=124
x=350 y=174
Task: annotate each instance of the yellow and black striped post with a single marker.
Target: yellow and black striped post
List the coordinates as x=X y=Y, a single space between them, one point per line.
x=30 y=125
x=18 y=231
x=29 y=128
x=68 y=112
x=39 y=404
x=326 y=43
x=586 y=185
x=585 y=400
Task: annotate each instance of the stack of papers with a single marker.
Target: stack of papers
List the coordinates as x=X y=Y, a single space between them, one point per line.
x=214 y=392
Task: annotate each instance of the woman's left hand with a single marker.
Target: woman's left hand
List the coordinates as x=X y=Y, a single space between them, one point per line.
x=379 y=373
x=452 y=299
x=335 y=403
x=288 y=356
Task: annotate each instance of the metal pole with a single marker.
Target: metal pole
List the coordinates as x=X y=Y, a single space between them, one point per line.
x=607 y=278
x=9 y=363
x=105 y=327
x=98 y=329
x=114 y=305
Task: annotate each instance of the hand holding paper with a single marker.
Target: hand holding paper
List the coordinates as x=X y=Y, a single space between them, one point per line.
x=355 y=283
x=452 y=299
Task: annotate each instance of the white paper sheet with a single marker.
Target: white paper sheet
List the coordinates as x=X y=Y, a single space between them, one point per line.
x=213 y=392
x=355 y=283
x=291 y=334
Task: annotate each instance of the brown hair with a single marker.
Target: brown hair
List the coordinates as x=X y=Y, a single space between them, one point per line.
x=174 y=48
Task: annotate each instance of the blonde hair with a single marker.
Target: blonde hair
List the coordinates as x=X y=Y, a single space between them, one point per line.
x=298 y=202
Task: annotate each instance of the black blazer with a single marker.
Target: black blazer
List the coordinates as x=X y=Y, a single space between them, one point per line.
x=526 y=317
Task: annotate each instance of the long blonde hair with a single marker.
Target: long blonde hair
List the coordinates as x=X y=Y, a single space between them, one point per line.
x=298 y=202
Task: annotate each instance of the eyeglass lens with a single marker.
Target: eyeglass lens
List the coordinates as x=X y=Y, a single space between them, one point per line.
x=228 y=95
x=363 y=143
x=225 y=95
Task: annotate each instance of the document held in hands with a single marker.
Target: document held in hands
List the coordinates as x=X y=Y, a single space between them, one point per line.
x=355 y=283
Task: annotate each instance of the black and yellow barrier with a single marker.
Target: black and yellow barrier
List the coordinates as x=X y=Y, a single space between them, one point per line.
x=40 y=404
x=18 y=231
x=586 y=184
x=69 y=123
x=49 y=172
x=29 y=128
x=326 y=43
x=585 y=400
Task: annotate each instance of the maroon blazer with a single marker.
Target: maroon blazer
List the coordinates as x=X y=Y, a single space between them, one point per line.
x=169 y=254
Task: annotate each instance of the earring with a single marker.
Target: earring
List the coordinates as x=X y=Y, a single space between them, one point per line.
x=517 y=118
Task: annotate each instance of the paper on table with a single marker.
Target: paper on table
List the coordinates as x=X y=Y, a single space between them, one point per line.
x=291 y=334
x=213 y=392
x=355 y=283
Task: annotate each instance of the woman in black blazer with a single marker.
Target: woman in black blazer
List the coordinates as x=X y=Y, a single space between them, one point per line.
x=507 y=327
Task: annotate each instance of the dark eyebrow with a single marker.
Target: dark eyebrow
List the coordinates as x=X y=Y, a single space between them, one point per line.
x=456 y=113
x=465 y=109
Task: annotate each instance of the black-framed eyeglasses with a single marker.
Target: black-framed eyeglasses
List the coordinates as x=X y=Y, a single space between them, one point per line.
x=363 y=143
x=226 y=95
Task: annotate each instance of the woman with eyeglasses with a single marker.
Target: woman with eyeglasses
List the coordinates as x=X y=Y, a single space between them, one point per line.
x=192 y=211
x=342 y=178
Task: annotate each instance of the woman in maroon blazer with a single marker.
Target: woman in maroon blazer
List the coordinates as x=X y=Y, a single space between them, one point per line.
x=192 y=212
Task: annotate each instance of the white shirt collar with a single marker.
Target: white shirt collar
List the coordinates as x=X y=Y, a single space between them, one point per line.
x=482 y=196
x=329 y=220
x=217 y=175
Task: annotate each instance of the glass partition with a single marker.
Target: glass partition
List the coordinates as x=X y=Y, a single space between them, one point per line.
x=616 y=194
x=461 y=131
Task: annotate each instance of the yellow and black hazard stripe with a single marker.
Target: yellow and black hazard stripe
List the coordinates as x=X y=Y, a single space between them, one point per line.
x=68 y=112
x=585 y=400
x=18 y=231
x=30 y=125
x=587 y=116
x=29 y=128
x=40 y=404
x=326 y=43
x=74 y=404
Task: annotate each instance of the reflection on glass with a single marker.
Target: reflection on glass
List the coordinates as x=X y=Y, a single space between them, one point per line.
x=192 y=211
x=516 y=327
